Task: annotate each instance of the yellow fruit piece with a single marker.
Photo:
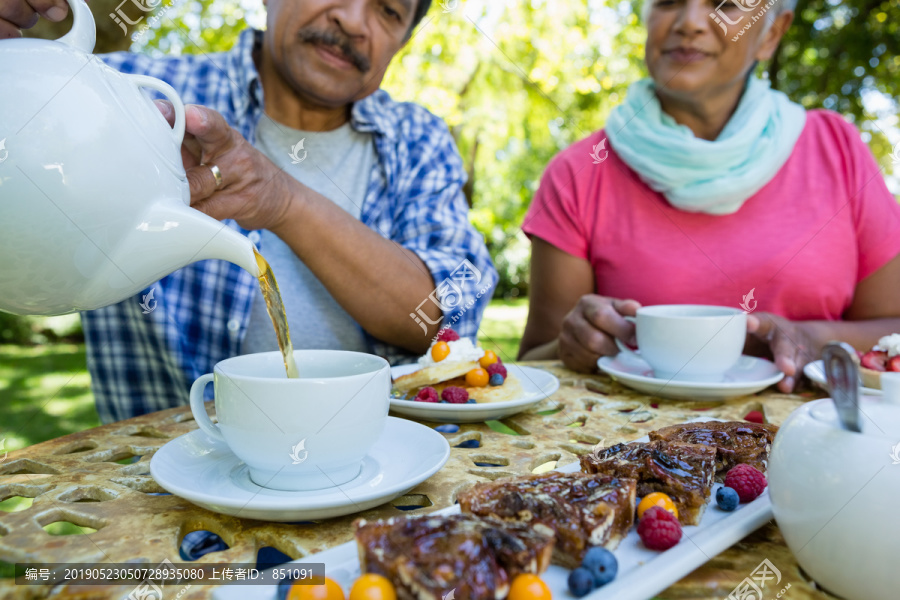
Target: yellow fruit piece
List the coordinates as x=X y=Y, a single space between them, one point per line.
x=330 y=590
x=488 y=359
x=477 y=378
x=656 y=499
x=372 y=587
x=527 y=586
x=440 y=351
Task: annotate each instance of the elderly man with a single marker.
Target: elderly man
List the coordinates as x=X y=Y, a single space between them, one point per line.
x=354 y=199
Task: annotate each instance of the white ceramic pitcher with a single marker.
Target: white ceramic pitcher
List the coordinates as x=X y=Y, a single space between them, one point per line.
x=94 y=201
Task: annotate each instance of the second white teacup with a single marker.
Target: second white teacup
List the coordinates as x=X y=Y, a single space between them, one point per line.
x=689 y=342
x=298 y=434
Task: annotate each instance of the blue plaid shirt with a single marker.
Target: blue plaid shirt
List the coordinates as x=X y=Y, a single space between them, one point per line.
x=141 y=363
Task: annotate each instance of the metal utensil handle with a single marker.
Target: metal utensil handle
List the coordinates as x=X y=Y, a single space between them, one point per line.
x=843 y=382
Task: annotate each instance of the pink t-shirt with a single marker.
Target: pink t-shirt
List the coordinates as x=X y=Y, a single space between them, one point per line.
x=802 y=243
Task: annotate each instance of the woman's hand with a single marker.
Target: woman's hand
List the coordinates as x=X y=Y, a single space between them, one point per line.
x=254 y=192
x=589 y=330
x=791 y=343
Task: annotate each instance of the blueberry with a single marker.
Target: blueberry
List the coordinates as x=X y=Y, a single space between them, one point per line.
x=602 y=565
x=727 y=499
x=581 y=582
x=496 y=379
x=471 y=401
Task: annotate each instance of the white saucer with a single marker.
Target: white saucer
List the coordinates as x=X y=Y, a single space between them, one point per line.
x=537 y=385
x=205 y=472
x=815 y=372
x=749 y=376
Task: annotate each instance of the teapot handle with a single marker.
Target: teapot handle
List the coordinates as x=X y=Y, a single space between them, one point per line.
x=166 y=90
x=83 y=34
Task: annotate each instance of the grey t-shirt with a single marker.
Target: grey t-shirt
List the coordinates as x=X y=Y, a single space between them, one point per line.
x=337 y=164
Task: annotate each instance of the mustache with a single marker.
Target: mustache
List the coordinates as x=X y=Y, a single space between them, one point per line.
x=337 y=40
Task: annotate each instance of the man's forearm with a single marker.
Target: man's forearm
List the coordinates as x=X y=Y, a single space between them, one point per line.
x=377 y=281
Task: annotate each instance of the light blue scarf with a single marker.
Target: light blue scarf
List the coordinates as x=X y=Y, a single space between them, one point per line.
x=698 y=175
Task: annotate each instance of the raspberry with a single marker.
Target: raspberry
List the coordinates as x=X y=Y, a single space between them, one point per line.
x=659 y=529
x=455 y=395
x=427 y=394
x=746 y=481
x=497 y=367
x=447 y=335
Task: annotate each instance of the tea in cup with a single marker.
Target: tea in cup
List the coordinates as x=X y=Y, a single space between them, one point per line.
x=689 y=342
x=302 y=433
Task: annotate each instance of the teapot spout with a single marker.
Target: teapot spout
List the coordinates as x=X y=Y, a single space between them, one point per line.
x=170 y=235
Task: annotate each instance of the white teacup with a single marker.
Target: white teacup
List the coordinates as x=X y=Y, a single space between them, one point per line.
x=834 y=495
x=298 y=434
x=689 y=342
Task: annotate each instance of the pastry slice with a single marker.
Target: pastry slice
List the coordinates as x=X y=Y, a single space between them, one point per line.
x=427 y=557
x=433 y=375
x=584 y=510
x=684 y=472
x=510 y=390
x=735 y=442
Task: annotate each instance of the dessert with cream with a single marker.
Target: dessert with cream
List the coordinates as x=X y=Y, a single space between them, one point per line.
x=884 y=356
x=456 y=371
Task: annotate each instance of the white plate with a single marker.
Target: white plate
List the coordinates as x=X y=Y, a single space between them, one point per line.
x=749 y=376
x=537 y=385
x=204 y=471
x=642 y=572
x=815 y=372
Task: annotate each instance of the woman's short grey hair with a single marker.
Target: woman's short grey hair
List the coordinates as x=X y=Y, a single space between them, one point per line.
x=779 y=7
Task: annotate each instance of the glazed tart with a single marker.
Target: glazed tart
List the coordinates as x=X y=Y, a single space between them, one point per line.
x=584 y=510
x=427 y=557
x=735 y=442
x=684 y=472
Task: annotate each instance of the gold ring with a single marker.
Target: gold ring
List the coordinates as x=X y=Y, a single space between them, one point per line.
x=217 y=174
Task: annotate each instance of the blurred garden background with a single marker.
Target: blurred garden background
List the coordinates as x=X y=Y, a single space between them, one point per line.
x=517 y=81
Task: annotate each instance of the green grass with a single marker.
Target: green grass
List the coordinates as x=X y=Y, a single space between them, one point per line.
x=45 y=390
x=44 y=393
x=502 y=327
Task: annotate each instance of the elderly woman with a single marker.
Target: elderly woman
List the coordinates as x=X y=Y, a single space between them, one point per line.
x=714 y=186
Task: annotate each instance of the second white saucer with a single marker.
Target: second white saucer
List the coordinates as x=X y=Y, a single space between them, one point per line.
x=748 y=376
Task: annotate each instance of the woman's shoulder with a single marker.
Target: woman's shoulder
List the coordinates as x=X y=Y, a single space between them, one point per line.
x=591 y=149
x=824 y=123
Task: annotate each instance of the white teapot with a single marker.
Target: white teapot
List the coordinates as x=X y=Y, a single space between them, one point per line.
x=94 y=201
x=834 y=495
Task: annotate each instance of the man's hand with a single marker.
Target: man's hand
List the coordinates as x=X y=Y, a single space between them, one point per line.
x=588 y=331
x=16 y=15
x=254 y=192
x=790 y=342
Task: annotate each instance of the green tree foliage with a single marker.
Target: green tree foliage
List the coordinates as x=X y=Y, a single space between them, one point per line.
x=519 y=80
